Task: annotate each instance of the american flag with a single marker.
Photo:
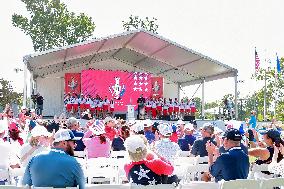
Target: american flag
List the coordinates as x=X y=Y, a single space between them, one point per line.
x=257 y=62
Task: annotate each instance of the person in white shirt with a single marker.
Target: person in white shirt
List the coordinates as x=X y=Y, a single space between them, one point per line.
x=8 y=156
x=154 y=109
x=111 y=106
x=159 y=107
x=82 y=102
x=166 y=148
x=88 y=102
x=165 y=107
x=187 y=108
x=105 y=106
x=181 y=109
x=148 y=107
x=176 y=108
x=39 y=142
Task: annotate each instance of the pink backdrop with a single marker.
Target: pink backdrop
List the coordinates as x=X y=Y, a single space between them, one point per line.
x=122 y=86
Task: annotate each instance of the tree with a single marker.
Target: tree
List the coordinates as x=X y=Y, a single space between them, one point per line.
x=7 y=95
x=51 y=25
x=135 y=22
x=274 y=92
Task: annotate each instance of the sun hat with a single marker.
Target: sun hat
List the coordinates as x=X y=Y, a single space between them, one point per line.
x=147 y=123
x=134 y=144
x=108 y=119
x=40 y=131
x=64 y=135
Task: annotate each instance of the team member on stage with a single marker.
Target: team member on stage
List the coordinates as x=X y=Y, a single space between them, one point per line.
x=171 y=107
x=105 y=106
x=165 y=107
x=148 y=107
x=192 y=108
x=82 y=102
x=111 y=105
x=187 y=108
x=159 y=107
x=154 y=109
x=88 y=102
x=181 y=109
x=176 y=108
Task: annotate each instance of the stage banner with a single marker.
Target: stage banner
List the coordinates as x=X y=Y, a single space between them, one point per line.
x=157 y=86
x=124 y=87
x=73 y=83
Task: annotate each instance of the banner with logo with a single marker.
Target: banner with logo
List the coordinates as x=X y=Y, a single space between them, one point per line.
x=72 y=83
x=157 y=86
x=124 y=87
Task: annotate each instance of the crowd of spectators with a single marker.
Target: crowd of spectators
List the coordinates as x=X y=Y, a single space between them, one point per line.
x=45 y=149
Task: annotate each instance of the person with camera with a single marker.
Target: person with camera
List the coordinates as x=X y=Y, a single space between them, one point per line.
x=39 y=104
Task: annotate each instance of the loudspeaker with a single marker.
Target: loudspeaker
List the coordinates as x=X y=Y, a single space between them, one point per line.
x=165 y=117
x=120 y=116
x=188 y=118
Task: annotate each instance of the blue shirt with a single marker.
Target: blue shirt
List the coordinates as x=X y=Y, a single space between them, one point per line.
x=185 y=141
x=54 y=169
x=243 y=147
x=80 y=144
x=231 y=165
x=150 y=136
x=118 y=144
x=252 y=121
x=199 y=146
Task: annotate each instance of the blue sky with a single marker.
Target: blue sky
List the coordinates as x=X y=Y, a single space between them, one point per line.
x=225 y=30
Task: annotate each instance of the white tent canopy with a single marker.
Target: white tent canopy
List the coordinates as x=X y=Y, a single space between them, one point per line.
x=132 y=51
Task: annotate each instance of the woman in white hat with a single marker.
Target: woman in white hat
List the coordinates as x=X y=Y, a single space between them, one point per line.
x=97 y=144
x=142 y=170
x=39 y=142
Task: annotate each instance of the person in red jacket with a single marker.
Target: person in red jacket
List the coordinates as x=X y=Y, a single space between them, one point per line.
x=110 y=130
x=145 y=169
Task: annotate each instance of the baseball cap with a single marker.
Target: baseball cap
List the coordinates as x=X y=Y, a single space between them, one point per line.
x=40 y=131
x=64 y=135
x=271 y=133
x=13 y=126
x=180 y=122
x=233 y=134
x=208 y=127
x=107 y=119
x=148 y=123
x=189 y=126
x=133 y=143
x=165 y=129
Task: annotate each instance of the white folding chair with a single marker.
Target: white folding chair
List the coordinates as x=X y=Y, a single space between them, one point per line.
x=200 y=160
x=51 y=188
x=240 y=184
x=184 y=153
x=200 y=185
x=194 y=172
x=100 y=170
x=158 y=186
x=16 y=172
x=256 y=172
x=108 y=186
x=118 y=154
x=271 y=183
x=4 y=174
x=80 y=154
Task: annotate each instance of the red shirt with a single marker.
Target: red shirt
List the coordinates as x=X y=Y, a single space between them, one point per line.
x=110 y=132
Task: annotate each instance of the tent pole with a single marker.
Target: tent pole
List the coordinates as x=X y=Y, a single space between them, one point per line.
x=178 y=92
x=236 y=96
x=25 y=84
x=203 y=102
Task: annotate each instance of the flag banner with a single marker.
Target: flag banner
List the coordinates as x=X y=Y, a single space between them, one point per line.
x=278 y=65
x=157 y=87
x=257 y=62
x=73 y=83
x=124 y=87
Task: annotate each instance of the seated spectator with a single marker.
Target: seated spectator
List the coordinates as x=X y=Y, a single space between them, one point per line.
x=74 y=125
x=174 y=137
x=56 y=168
x=110 y=130
x=8 y=156
x=148 y=131
x=97 y=144
x=187 y=141
x=54 y=125
x=231 y=165
x=199 y=145
x=264 y=154
x=14 y=136
x=276 y=166
x=39 y=142
x=118 y=142
x=142 y=171
x=166 y=148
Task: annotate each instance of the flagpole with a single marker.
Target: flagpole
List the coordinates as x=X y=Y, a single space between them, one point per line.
x=264 y=103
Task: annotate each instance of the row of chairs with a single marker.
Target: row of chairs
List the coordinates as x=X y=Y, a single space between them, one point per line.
x=234 y=184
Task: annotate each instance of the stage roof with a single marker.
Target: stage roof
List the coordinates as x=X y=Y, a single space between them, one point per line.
x=138 y=50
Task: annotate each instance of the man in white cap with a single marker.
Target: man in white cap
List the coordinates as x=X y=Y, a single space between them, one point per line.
x=187 y=141
x=56 y=168
x=39 y=142
x=148 y=131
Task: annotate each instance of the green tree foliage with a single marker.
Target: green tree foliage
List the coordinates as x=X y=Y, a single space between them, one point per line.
x=51 y=25
x=7 y=95
x=134 y=22
x=274 y=92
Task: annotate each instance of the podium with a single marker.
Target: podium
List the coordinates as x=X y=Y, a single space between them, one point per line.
x=130 y=112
